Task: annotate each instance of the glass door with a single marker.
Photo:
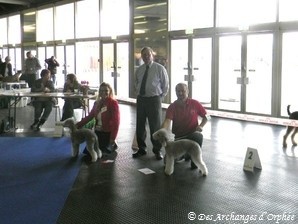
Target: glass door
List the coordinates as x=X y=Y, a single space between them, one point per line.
x=202 y=58
x=229 y=72
x=245 y=71
x=115 y=67
x=66 y=57
x=87 y=66
x=289 y=72
x=191 y=64
x=259 y=73
x=179 y=64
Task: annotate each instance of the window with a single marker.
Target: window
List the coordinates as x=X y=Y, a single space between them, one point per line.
x=14 y=29
x=44 y=21
x=87 y=13
x=64 y=23
x=245 y=12
x=192 y=14
x=3 y=36
x=115 y=18
x=288 y=10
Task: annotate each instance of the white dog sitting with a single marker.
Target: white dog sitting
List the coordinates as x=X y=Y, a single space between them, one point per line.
x=176 y=149
x=79 y=136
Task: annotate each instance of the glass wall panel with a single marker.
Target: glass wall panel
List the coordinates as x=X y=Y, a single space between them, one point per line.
x=90 y=8
x=179 y=64
x=61 y=70
x=44 y=25
x=108 y=63
x=150 y=17
x=64 y=22
x=123 y=70
x=288 y=10
x=229 y=71
x=192 y=14
x=259 y=73
x=289 y=72
x=87 y=66
x=202 y=58
x=41 y=54
x=14 y=29
x=114 y=17
x=245 y=12
x=3 y=36
x=49 y=51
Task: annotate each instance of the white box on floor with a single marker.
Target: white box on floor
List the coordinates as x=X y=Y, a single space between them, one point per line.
x=22 y=103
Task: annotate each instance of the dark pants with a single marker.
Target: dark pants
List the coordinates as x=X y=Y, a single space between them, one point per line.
x=103 y=141
x=195 y=136
x=148 y=108
x=42 y=110
x=30 y=79
x=69 y=106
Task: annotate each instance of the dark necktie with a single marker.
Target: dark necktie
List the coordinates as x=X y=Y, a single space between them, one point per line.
x=143 y=85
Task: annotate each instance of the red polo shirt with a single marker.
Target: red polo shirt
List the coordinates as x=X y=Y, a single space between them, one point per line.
x=185 y=116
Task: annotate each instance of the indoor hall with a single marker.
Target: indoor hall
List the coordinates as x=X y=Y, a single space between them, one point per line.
x=238 y=58
x=60 y=189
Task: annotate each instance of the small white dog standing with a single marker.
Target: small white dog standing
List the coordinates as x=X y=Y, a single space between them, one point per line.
x=176 y=149
x=79 y=136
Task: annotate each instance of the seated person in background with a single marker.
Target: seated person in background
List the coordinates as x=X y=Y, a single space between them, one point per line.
x=70 y=86
x=107 y=116
x=42 y=105
x=184 y=113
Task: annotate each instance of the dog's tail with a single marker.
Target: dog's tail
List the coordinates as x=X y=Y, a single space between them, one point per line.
x=288 y=110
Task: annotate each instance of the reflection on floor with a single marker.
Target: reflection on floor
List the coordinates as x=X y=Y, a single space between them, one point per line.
x=113 y=190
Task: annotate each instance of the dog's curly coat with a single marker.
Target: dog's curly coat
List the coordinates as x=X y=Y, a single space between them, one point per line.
x=79 y=136
x=176 y=149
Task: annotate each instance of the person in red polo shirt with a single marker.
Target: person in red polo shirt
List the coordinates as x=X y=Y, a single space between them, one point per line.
x=106 y=113
x=184 y=114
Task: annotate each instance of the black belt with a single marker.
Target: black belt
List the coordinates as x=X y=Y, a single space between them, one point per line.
x=149 y=97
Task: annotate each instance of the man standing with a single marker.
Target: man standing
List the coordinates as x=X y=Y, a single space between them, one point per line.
x=32 y=65
x=52 y=66
x=184 y=113
x=152 y=84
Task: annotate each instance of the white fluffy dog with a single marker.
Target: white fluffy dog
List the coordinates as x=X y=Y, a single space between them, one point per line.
x=176 y=149
x=79 y=136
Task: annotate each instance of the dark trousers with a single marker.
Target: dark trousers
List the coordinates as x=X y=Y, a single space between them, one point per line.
x=103 y=139
x=148 y=108
x=69 y=106
x=42 y=110
x=30 y=79
x=195 y=136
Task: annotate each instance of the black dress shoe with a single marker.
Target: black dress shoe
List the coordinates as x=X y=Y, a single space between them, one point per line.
x=139 y=153
x=158 y=156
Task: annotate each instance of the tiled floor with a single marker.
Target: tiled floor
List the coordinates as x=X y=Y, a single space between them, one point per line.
x=113 y=190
